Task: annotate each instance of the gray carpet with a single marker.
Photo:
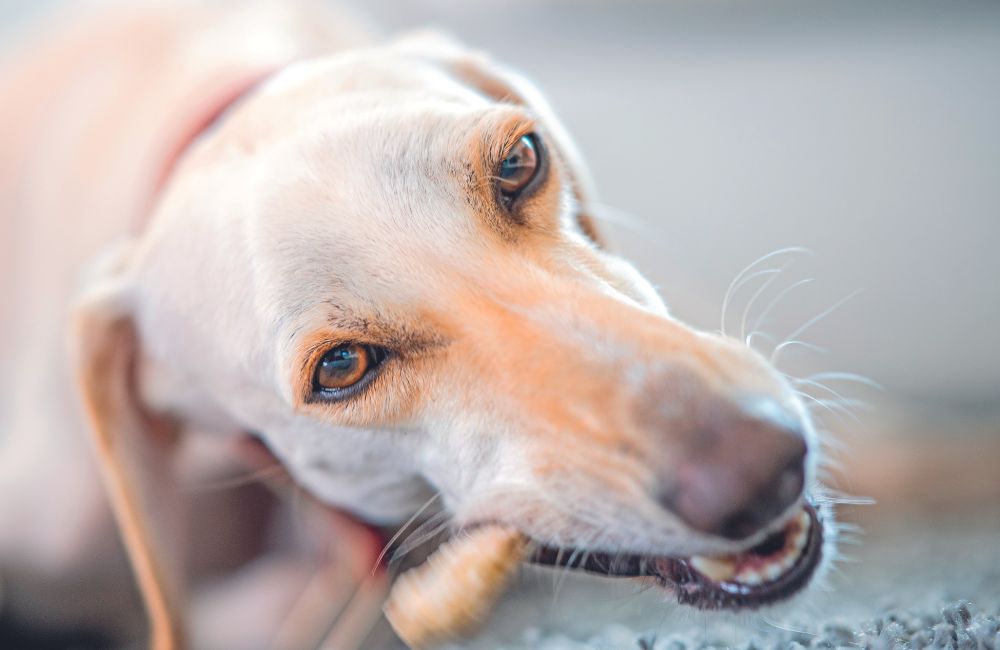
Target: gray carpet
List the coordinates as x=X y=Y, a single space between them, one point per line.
x=957 y=625
x=920 y=583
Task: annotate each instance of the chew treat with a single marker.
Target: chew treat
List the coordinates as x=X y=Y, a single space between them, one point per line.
x=453 y=592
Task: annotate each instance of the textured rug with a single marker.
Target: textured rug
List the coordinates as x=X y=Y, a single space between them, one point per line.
x=921 y=583
x=956 y=625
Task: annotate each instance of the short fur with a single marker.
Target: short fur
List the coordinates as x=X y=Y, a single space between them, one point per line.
x=536 y=379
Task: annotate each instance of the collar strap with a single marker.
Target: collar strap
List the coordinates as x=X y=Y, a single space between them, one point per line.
x=209 y=105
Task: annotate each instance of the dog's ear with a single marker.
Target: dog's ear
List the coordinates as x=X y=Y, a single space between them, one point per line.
x=135 y=447
x=504 y=85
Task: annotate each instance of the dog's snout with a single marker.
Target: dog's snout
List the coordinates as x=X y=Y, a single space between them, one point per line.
x=747 y=472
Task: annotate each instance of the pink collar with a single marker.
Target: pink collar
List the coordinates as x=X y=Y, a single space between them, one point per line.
x=209 y=107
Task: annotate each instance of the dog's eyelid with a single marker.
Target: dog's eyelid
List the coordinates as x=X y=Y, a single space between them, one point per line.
x=514 y=136
x=496 y=135
x=391 y=347
x=503 y=141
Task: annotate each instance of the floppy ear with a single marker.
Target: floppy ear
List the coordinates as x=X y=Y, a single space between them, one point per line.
x=502 y=84
x=135 y=448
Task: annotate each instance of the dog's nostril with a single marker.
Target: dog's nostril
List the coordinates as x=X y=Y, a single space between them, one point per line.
x=768 y=502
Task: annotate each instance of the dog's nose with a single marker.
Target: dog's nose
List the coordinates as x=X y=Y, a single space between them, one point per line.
x=751 y=514
x=745 y=471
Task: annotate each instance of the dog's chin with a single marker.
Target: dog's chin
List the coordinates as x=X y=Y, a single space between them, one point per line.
x=774 y=570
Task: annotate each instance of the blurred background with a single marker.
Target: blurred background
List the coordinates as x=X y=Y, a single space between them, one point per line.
x=866 y=131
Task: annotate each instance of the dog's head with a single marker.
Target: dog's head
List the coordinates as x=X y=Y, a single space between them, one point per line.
x=383 y=264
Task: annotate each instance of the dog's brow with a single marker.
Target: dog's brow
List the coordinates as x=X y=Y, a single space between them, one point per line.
x=497 y=139
x=383 y=332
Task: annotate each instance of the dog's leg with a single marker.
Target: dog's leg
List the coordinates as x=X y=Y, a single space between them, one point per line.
x=361 y=613
x=135 y=450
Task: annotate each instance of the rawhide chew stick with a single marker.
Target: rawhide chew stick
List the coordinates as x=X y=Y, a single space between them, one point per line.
x=452 y=593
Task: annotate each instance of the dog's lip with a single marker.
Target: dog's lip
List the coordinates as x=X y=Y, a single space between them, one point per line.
x=745 y=580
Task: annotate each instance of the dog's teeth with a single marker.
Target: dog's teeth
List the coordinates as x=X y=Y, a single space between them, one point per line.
x=804 y=521
x=717 y=569
x=802 y=534
x=749 y=577
x=773 y=571
x=765 y=569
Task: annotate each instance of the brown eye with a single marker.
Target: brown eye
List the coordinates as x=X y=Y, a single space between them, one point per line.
x=520 y=167
x=344 y=366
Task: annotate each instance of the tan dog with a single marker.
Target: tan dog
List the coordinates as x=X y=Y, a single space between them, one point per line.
x=381 y=262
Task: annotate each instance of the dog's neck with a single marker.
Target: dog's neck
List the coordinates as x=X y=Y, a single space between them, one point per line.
x=206 y=108
x=206 y=113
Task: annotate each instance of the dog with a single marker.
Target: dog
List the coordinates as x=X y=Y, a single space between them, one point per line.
x=379 y=260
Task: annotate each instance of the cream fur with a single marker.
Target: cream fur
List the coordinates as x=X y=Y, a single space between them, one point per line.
x=345 y=199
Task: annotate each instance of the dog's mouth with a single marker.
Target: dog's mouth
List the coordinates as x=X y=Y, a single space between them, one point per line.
x=773 y=570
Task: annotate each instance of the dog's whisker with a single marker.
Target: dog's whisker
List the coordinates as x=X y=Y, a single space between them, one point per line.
x=749 y=339
x=578 y=552
x=564 y=573
x=258 y=475
x=846 y=376
x=418 y=538
x=785 y=628
x=798 y=382
x=840 y=498
x=838 y=410
x=812 y=398
x=757 y=294
x=555 y=575
x=846 y=525
x=743 y=282
x=849 y=403
x=763 y=258
x=795 y=342
x=811 y=322
x=816 y=384
x=827 y=405
x=777 y=299
x=402 y=530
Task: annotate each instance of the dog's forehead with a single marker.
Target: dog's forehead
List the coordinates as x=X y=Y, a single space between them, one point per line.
x=375 y=208
x=332 y=88
x=343 y=186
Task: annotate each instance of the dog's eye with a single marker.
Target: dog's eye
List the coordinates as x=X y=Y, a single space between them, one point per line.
x=345 y=366
x=520 y=166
